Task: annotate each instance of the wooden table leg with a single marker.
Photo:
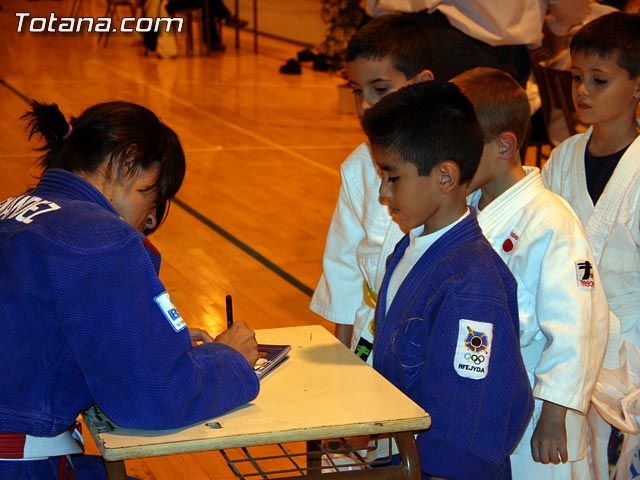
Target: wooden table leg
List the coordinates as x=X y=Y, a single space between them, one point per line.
x=409 y=468
x=314 y=457
x=409 y=457
x=116 y=470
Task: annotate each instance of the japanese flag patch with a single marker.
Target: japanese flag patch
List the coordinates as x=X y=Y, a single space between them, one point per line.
x=473 y=349
x=584 y=274
x=510 y=242
x=170 y=312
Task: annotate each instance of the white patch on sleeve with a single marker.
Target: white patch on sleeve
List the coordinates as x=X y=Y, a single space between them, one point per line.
x=473 y=349
x=170 y=312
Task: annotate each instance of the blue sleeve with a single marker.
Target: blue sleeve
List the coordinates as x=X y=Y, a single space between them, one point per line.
x=476 y=422
x=139 y=366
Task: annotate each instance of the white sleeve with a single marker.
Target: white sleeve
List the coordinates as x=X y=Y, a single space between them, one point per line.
x=550 y=171
x=339 y=292
x=573 y=315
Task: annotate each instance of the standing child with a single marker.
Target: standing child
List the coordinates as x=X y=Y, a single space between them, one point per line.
x=564 y=316
x=446 y=320
x=389 y=52
x=598 y=172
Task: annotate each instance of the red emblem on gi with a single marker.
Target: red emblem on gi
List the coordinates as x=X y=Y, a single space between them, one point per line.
x=508 y=244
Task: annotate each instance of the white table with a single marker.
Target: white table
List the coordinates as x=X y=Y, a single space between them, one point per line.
x=322 y=391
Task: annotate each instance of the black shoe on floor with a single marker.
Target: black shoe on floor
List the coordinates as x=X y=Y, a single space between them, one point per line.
x=235 y=22
x=306 y=55
x=292 y=67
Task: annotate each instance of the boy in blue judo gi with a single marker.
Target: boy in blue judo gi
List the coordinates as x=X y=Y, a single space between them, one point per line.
x=446 y=322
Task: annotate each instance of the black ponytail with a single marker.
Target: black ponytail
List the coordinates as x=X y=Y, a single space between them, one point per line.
x=47 y=120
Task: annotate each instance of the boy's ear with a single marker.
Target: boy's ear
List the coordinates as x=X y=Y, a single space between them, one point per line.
x=507 y=145
x=423 y=76
x=447 y=175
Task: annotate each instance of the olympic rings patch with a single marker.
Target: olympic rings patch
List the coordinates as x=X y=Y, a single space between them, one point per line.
x=477 y=359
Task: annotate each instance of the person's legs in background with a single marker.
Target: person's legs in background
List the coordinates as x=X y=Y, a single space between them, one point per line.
x=460 y=52
x=220 y=11
x=213 y=36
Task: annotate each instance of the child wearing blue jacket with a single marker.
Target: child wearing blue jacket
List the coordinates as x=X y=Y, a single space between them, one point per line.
x=446 y=322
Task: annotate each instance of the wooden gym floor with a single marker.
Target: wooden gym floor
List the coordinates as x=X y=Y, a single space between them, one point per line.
x=263 y=151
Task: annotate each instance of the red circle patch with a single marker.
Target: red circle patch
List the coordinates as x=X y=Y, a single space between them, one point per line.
x=507 y=246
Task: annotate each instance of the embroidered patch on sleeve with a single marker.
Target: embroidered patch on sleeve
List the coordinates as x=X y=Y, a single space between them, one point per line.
x=510 y=242
x=473 y=349
x=170 y=312
x=584 y=274
x=363 y=349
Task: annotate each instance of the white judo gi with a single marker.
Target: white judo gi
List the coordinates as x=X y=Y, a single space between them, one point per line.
x=612 y=226
x=613 y=229
x=564 y=317
x=361 y=236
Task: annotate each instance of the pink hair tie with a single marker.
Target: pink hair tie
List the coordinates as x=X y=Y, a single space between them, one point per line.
x=66 y=135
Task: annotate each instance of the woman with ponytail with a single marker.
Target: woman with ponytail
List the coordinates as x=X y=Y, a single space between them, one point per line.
x=85 y=319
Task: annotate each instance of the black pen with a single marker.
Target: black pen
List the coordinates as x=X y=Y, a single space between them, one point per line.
x=229 y=311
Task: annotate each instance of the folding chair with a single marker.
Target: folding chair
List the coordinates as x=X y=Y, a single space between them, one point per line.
x=191 y=16
x=112 y=10
x=555 y=93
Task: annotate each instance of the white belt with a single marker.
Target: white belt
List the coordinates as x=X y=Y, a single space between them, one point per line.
x=19 y=446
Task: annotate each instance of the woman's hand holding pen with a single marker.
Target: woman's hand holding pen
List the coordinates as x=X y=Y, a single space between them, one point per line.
x=243 y=339
x=237 y=335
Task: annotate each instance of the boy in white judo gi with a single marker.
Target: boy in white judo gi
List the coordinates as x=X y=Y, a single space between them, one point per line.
x=564 y=317
x=388 y=53
x=598 y=172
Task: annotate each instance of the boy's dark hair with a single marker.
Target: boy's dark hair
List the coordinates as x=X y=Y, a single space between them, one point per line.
x=402 y=37
x=614 y=33
x=425 y=124
x=500 y=102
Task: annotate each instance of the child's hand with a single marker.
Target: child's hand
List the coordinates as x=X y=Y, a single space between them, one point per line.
x=549 y=440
